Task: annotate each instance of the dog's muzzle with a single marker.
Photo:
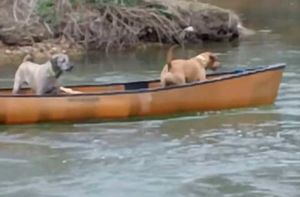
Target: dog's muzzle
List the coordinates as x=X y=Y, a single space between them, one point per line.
x=215 y=67
x=71 y=66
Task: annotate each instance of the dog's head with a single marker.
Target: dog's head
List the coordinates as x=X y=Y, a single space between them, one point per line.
x=208 y=60
x=61 y=61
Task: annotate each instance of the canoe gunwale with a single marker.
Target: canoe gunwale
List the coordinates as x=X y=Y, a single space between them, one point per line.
x=232 y=74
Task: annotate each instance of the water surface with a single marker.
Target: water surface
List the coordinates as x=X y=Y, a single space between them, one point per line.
x=242 y=152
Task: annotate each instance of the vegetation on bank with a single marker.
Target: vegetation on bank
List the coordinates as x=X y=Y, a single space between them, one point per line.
x=106 y=24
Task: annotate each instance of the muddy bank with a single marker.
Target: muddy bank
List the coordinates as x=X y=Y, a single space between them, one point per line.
x=13 y=54
x=65 y=26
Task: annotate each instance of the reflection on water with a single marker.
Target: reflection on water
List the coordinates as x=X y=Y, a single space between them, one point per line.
x=242 y=152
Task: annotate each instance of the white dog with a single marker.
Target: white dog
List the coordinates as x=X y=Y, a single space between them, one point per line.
x=43 y=79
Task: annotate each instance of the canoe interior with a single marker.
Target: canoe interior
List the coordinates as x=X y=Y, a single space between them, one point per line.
x=103 y=88
x=140 y=85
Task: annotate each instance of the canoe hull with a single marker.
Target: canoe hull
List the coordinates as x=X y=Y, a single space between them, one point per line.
x=248 y=90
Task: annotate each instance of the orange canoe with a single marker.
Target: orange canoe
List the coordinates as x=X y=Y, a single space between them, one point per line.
x=227 y=90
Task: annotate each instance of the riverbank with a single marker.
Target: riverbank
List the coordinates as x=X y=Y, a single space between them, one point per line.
x=73 y=27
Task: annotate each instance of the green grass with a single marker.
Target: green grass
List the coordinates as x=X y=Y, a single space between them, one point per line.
x=46 y=10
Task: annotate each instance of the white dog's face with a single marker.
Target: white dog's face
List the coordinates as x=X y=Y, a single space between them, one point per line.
x=62 y=62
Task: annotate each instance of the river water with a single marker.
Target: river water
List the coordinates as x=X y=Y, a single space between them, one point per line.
x=242 y=152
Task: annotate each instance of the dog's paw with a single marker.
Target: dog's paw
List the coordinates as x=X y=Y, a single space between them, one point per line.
x=69 y=91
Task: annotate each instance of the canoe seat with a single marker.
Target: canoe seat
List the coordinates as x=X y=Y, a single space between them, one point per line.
x=136 y=85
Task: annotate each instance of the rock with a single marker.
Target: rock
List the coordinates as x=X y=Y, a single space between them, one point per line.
x=18 y=33
x=26 y=49
x=245 y=32
x=209 y=22
x=48 y=45
x=8 y=52
x=53 y=50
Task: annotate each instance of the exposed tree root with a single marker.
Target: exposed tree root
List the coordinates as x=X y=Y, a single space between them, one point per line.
x=110 y=26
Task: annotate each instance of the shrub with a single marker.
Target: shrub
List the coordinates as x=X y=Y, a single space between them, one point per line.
x=46 y=10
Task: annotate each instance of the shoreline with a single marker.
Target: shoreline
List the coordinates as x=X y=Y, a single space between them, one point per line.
x=167 y=22
x=13 y=55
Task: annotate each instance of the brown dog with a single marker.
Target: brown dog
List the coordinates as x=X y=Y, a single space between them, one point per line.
x=181 y=71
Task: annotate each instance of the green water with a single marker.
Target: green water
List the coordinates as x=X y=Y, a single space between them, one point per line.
x=243 y=152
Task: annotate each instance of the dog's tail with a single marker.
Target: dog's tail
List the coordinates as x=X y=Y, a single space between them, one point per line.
x=27 y=58
x=170 y=56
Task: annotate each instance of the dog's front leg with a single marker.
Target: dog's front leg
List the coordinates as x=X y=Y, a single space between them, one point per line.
x=40 y=91
x=17 y=85
x=69 y=90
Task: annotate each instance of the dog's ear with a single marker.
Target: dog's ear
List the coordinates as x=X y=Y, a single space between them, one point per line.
x=54 y=61
x=212 y=57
